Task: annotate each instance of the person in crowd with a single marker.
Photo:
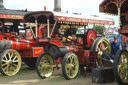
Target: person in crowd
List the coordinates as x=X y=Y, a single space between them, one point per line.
x=115 y=46
x=107 y=56
x=124 y=44
x=127 y=45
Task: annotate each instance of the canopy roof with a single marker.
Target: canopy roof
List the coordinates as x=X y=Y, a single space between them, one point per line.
x=12 y=14
x=111 y=6
x=64 y=17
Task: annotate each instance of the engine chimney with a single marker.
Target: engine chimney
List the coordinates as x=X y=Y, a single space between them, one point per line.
x=57 y=5
x=1 y=4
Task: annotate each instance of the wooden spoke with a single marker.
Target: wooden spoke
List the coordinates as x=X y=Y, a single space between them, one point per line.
x=16 y=61
x=9 y=56
x=4 y=60
x=12 y=55
x=14 y=58
x=5 y=68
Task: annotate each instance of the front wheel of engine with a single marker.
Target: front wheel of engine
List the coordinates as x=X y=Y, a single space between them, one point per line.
x=70 y=66
x=10 y=62
x=44 y=65
x=121 y=67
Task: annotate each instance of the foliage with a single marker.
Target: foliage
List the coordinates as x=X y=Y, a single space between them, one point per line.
x=99 y=29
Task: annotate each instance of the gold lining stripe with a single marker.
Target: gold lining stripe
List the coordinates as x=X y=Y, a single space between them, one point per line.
x=11 y=44
x=27 y=43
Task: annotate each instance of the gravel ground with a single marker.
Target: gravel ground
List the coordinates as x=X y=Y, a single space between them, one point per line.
x=27 y=76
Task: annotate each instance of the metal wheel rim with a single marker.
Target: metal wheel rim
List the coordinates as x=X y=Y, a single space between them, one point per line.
x=107 y=45
x=11 y=62
x=71 y=66
x=122 y=67
x=45 y=66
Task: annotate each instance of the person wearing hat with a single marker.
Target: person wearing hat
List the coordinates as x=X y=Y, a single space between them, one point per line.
x=115 y=46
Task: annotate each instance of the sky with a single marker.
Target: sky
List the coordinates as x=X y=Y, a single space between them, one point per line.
x=86 y=7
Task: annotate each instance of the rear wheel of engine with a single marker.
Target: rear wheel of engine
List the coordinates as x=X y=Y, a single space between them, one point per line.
x=70 y=66
x=101 y=44
x=44 y=65
x=121 y=67
x=10 y=62
x=90 y=36
x=94 y=42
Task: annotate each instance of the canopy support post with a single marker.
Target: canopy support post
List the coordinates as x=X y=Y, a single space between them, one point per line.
x=119 y=22
x=48 y=28
x=36 y=28
x=94 y=27
x=84 y=29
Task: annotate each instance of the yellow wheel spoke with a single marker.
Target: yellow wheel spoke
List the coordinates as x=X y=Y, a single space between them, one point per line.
x=71 y=60
x=16 y=61
x=12 y=55
x=68 y=71
x=5 y=68
x=44 y=70
x=15 y=65
x=9 y=56
x=13 y=68
x=14 y=58
x=4 y=60
x=4 y=64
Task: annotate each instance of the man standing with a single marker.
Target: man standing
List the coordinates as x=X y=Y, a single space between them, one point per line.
x=115 y=46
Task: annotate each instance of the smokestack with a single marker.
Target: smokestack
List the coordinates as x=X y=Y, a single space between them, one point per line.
x=1 y=4
x=57 y=5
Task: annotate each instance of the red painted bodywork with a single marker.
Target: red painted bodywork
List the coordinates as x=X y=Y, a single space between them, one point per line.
x=56 y=42
x=32 y=52
x=37 y=51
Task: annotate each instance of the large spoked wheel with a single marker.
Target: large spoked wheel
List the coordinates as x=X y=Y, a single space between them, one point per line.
x=10 y=62
x=121 y=67
x=90 y=36
x=44 y=65
x=70 y=66
x=101 y=43
x=94 y=42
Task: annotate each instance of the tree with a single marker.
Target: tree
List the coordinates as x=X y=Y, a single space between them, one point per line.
x=99 y=29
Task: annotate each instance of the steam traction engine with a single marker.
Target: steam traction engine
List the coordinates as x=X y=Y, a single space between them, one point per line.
x=52 y=40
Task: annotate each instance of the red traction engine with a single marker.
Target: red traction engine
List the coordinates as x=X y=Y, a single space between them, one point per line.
x=11 y=49
x=50 y=41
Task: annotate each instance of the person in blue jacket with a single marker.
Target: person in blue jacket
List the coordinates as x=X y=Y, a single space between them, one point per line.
x=115 y=46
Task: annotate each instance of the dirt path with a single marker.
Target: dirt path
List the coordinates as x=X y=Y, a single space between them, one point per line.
x=27 y=76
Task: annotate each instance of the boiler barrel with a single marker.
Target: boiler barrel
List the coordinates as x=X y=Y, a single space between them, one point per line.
x=19 y=44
